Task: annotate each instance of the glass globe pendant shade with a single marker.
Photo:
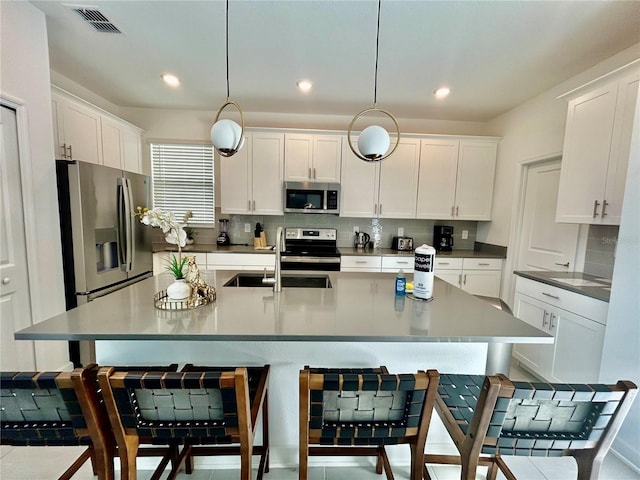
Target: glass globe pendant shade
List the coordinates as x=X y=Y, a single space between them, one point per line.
x=373 y=142
x=226 y=136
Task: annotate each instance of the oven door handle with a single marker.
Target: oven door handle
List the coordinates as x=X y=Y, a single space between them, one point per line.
x=302 y=259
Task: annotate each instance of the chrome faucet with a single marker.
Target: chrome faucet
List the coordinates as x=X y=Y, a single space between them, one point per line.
x=276 y=281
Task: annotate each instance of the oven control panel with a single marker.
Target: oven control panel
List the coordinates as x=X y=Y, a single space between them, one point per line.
x=310 y=234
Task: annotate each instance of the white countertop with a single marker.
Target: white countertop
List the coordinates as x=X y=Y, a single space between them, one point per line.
x=359 y=308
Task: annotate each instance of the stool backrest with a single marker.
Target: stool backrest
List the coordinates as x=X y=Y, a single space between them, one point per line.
x=535 y=419
x=39 y=409
x=366 y=408
x=201 y=406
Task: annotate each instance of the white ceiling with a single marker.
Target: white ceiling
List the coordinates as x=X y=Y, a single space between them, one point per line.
x=492 y=54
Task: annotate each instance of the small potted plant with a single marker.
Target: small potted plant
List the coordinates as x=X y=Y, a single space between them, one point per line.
x=179 y=289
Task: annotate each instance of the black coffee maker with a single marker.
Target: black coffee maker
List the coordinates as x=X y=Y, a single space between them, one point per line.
x=443 y=238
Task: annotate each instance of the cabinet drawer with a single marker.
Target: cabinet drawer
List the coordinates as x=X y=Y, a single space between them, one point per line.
x=240 y=261
x=395 y=263
x=482 y=264
x=582 y=305
x=361 y=261
x=444 y=263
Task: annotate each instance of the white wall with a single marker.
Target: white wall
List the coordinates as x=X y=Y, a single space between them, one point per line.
x=621 y=353
x=25 y=78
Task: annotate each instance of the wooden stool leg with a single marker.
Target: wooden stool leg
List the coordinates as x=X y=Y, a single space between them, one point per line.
x=589 y=464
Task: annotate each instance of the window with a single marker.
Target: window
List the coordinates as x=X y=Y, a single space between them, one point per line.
x=182 y=177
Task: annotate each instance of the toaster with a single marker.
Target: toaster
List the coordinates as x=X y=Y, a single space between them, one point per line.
x=402 y=243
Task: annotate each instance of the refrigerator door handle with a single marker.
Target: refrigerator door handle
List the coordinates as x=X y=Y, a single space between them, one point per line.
x=129 y=219
x=124 y=224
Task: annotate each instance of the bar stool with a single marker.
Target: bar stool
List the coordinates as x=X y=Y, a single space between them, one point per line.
x=495 y=416
x=358 y=411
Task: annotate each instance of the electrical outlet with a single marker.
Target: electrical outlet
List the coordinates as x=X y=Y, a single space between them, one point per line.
x=465 y=234
x=247 y=228
x=356 y=229
x=400 y=232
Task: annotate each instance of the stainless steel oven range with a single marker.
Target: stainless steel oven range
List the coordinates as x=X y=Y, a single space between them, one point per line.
x=310 y=249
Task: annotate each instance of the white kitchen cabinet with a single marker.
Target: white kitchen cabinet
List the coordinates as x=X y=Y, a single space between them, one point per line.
x=596 y=151
x=312 y=157
x=251 y=180
x=84 y=132
x=456 y=179
x=161 y=261
x=360 y=263
x=121 y=145
x=477 y=276
x=395 y=263
x=579 y=334
x=384 y=189
x=77 y=129
x=241 y=261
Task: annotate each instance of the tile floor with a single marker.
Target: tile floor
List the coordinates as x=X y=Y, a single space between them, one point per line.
x=33 y=463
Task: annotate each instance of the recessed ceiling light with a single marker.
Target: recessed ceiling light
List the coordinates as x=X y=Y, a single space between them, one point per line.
x=442 y=92
x=170 y=79
x=304 y=85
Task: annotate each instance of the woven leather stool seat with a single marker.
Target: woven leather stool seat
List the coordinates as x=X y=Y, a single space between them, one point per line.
x=359 y=411
x=495 y=416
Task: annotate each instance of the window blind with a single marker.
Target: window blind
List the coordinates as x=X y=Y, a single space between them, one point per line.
x=183 y=179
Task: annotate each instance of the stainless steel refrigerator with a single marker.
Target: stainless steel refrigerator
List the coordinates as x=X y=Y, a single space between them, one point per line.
x=104 y=247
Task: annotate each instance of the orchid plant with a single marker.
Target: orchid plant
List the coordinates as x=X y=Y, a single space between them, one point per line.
x=173 y=229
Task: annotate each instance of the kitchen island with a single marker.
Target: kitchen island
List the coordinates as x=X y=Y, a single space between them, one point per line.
x=357 y=322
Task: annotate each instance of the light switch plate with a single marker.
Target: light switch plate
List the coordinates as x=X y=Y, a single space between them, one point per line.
x=465 y=234
x=247 y=227
x=400 y=232
x=356 y=229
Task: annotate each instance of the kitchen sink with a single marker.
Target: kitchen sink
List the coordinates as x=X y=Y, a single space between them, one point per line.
x=288 y=281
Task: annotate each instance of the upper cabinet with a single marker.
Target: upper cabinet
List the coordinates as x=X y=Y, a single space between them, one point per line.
x=385 y=189
x=251 y=180
x=84 y=132
x=312 y=157
x=456 y=179
x=596 y=151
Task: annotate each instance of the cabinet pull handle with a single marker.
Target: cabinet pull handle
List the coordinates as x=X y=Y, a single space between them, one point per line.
x=566 y=265
x=254 y=205
x=361 y=261
x=70 y=152
x=465 y=279
x=64 y=150
x=552 y=323
x=310 y=173
x=380 y=209
x=552 y=296
x=484 y=264
x=596 y=204
x=314 y=173
x=460 y=279
x=457 y=210
x=544 y=319
x=604 y=207
x=443 y=263
x=453 y=210
x=402 y=263
x=375 y=208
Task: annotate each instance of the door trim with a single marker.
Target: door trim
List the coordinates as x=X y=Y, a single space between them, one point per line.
x=28 y=206
x=515 y=234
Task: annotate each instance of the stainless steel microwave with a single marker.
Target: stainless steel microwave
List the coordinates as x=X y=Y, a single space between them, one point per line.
x=311 y=197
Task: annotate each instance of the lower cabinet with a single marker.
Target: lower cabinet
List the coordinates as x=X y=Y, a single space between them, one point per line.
x=578 y=335
x=241 y=261
x=478 y=276
x=161 y=261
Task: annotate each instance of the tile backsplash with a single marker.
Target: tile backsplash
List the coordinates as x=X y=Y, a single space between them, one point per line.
x=383 y=229
x=600 y=254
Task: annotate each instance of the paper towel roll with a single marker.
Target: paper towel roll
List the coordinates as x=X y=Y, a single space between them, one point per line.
x=423 y=272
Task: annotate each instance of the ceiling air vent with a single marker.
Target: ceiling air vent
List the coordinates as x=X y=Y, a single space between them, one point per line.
x=96 y=19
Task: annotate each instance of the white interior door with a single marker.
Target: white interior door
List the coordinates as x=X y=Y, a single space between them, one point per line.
x=15 y=311
x=545 y=244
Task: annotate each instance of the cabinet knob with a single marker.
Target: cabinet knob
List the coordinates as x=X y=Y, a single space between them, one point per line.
x=6 y=280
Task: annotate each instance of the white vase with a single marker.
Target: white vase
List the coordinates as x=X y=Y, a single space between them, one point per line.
x=179 y=290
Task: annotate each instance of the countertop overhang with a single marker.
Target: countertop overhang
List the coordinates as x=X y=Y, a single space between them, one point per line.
x=359 y=308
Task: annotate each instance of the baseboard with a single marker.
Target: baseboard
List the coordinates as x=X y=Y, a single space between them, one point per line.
x=623 y=451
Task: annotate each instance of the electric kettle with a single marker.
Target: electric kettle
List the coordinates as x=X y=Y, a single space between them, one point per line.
x=361 y=240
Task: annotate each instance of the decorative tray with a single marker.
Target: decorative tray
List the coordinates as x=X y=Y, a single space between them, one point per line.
x=162 y=301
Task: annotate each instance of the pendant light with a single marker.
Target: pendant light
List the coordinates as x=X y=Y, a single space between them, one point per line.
x=226 y=135
x=373 y=141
